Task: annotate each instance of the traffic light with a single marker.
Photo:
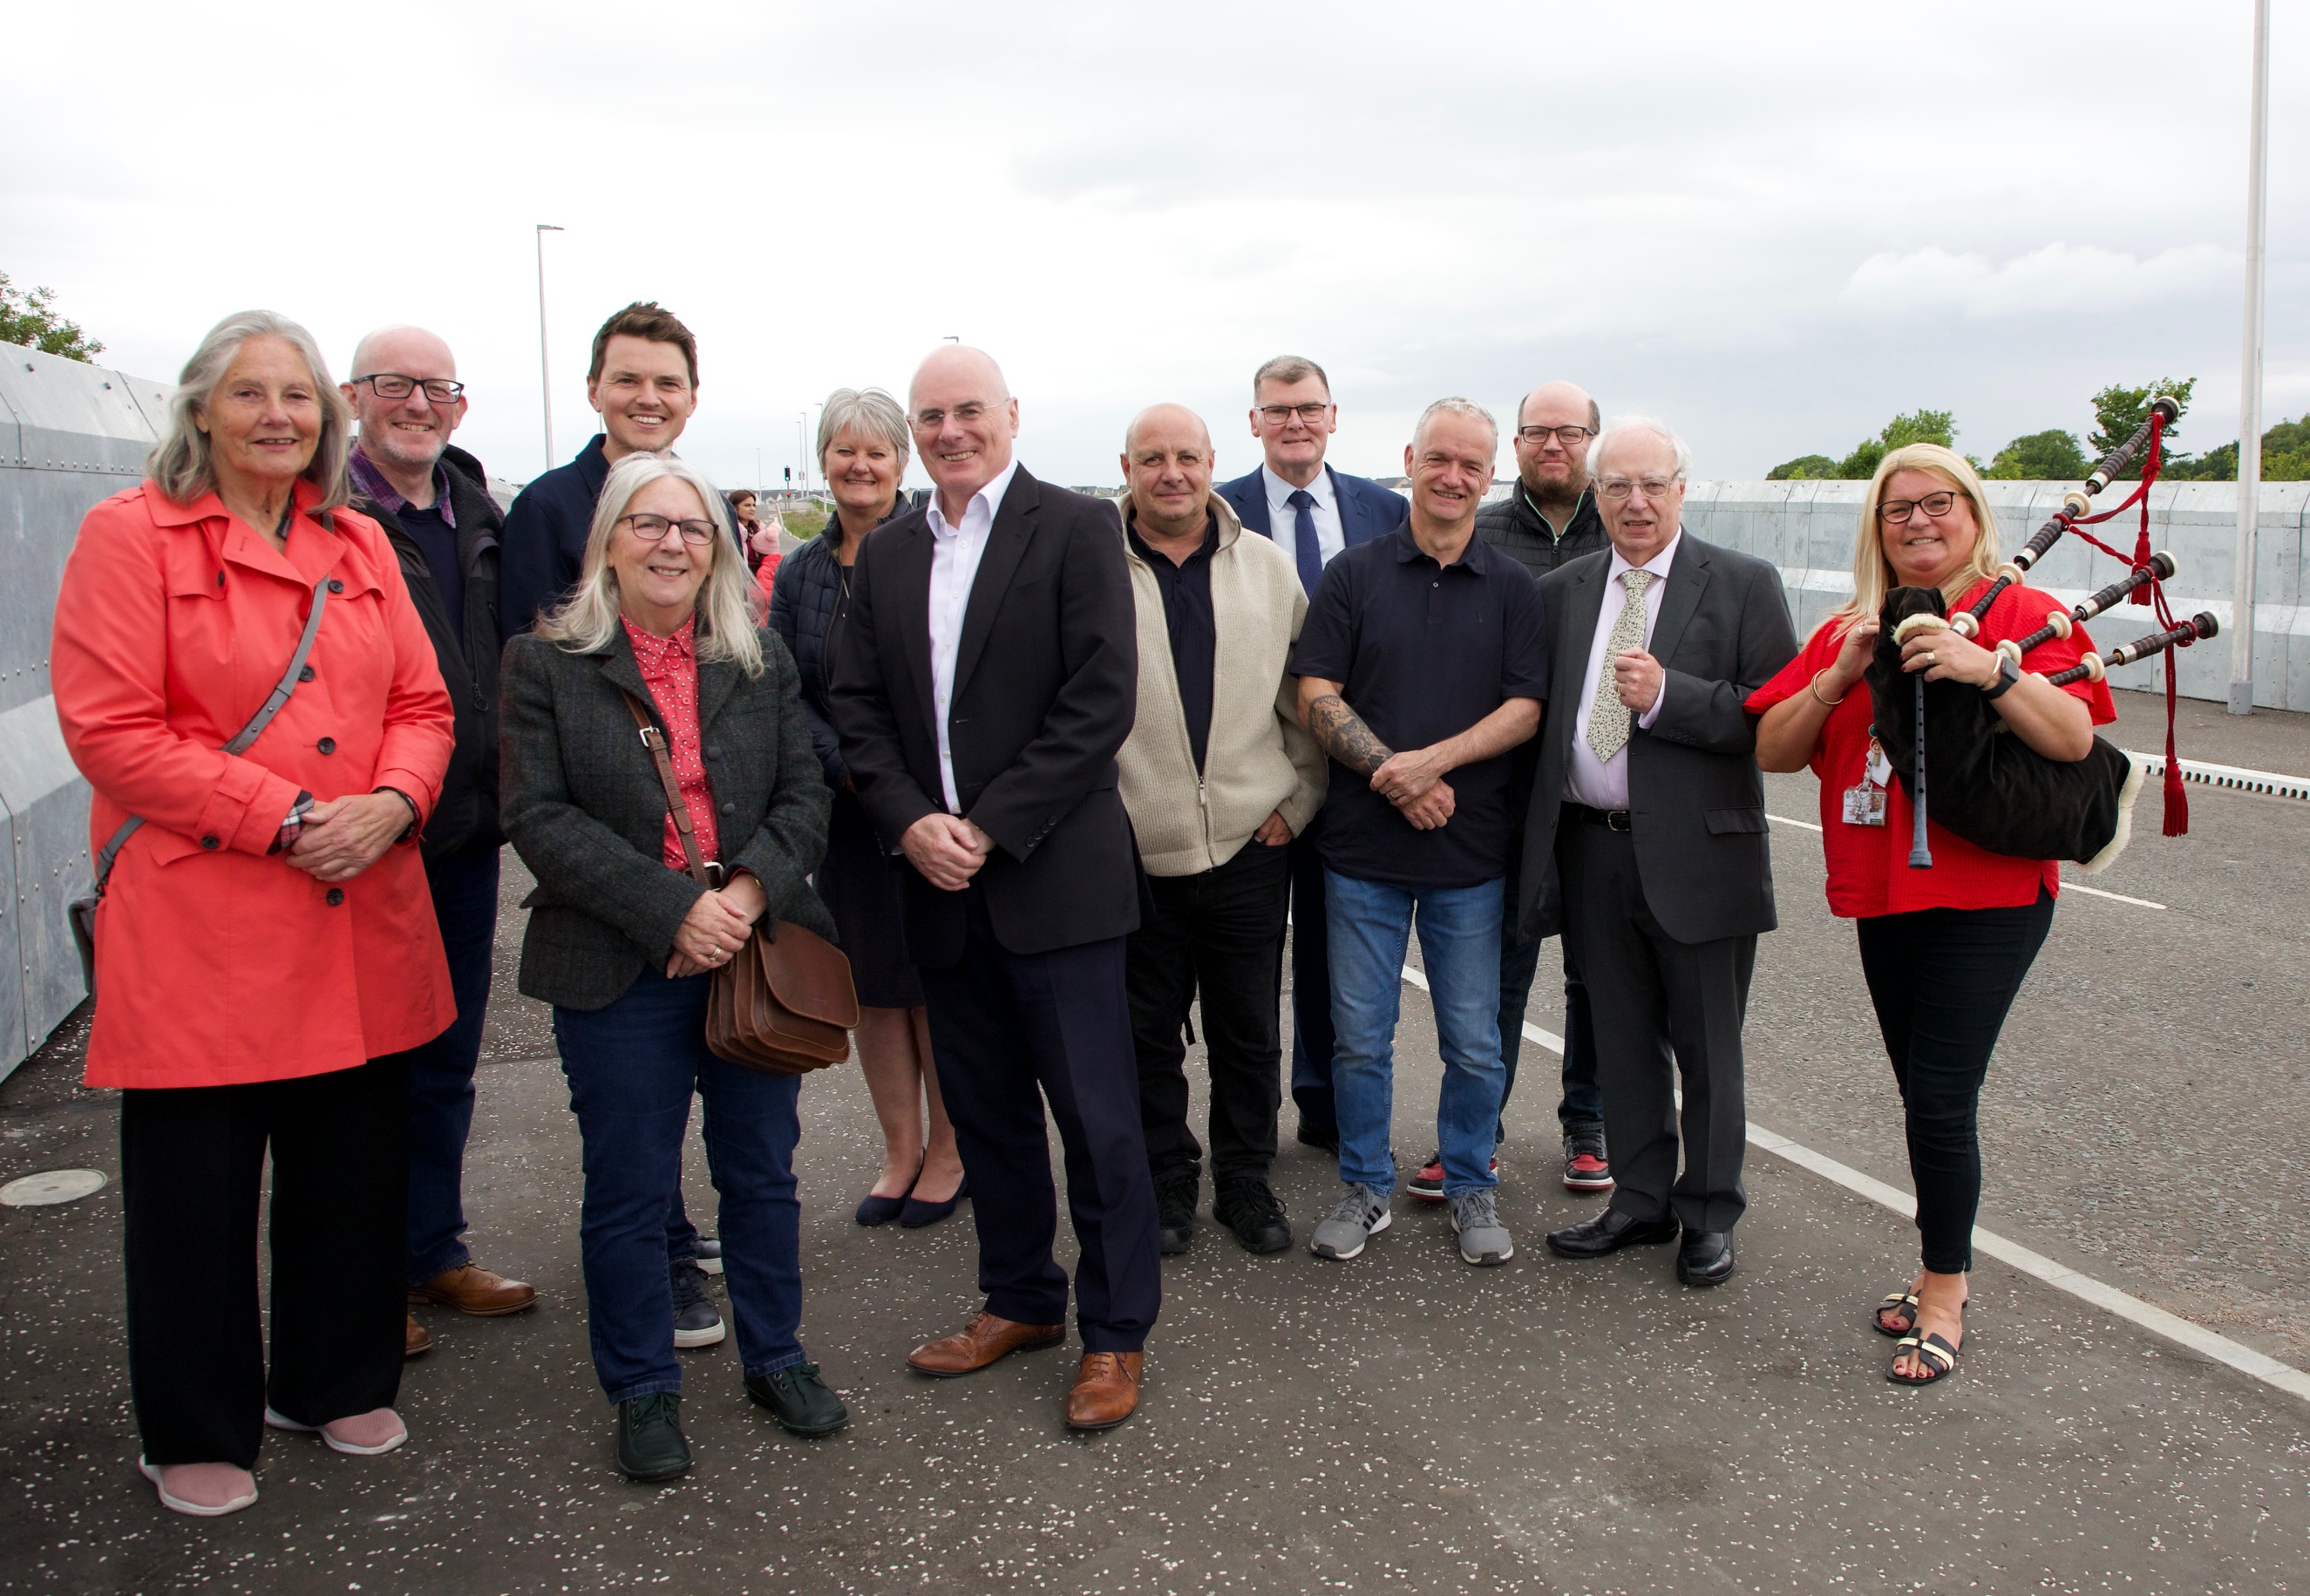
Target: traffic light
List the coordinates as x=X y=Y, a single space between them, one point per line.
x=789 y=476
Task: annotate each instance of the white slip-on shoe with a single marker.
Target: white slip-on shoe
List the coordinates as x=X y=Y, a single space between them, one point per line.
x=372 y=1434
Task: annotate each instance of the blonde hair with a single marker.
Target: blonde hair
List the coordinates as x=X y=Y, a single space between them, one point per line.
x=586 y=622
x=1873 y=575
x=179 y=465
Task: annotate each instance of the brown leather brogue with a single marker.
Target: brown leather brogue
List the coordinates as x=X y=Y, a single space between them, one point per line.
x=985 y=1339
x=1106 y=1391
x=416 y=1338
x=472 y=1289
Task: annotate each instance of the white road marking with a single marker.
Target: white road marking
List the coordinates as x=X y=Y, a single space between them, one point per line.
x=2139 y=903
x=2157 y=1321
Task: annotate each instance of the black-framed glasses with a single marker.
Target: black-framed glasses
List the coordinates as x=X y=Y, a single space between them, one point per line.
x=393 y=385
x=1617 y=489
x=652 y=529
x=1279 y=416
x=1571 y=438
x=1894 y=511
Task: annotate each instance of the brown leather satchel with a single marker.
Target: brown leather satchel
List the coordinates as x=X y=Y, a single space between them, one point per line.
x=784 y=1004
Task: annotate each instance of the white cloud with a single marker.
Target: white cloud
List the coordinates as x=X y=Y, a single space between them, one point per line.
x=2060 y=278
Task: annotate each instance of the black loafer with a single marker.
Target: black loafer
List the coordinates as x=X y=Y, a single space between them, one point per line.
x=799 y=1400
x=1705 y=1258
x=1608 y=1232
x=650 y=1446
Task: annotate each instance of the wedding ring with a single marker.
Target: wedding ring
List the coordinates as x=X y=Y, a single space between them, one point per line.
x=1929 y=656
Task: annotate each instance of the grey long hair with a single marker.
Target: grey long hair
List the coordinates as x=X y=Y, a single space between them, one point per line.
x=179 y=464
x=587 y=622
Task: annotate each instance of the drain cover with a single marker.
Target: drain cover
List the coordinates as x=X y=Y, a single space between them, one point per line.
x=52 y=1186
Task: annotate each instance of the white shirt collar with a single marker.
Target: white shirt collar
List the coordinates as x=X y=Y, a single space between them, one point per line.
x=1280 y=492
x=1657 y=564
x=989 y=498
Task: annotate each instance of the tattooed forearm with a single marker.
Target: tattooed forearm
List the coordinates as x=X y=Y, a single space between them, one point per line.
x=1340 y=733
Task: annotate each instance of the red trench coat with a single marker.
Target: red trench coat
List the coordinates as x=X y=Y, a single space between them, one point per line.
x=217 y=964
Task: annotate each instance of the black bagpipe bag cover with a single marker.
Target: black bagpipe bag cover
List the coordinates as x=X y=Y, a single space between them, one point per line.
x=1983 y=783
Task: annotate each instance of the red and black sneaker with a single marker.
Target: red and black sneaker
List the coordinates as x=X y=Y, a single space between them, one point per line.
x=1586 y=1167
x=1428 y=1186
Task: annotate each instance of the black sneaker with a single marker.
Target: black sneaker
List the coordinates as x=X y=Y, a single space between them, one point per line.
x=1316 y=1134
x=1587 y=1166
x=799 y=1400
x=1249 y=1208
x=709 y=1254
x=695 y=1321
x=1174 y=1210
x=650 y=1446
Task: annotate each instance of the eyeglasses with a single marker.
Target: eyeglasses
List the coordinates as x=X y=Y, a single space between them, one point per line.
x=967 y=413
x=1571 y=438
x=652 y=529
x=392 y=385
x=1279 y=416
x=1617 y=489
x=1894 y=511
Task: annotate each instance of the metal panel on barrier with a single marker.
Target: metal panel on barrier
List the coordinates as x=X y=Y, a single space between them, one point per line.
x=47 y=806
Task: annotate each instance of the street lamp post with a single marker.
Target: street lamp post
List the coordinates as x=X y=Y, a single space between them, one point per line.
x=2249 y=464
x=545 y=357
x=802 y=444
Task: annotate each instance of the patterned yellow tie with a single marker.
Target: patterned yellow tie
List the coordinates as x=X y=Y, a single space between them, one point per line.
x=1608 y=717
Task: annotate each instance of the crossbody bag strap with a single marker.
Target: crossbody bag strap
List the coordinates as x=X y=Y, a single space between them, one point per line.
x=676 y=805
x=246 y=735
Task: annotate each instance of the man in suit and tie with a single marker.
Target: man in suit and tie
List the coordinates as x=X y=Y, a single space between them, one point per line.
x=1314 y=512
x=1649 y=806
x=989 y=676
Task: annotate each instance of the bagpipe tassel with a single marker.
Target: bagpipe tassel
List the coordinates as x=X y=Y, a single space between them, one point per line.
x=2177 y=797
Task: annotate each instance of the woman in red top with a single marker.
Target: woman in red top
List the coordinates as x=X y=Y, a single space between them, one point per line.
x=1944 y=949
x=264 y=951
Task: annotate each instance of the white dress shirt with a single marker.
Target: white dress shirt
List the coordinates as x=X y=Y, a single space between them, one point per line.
x=1603 y=783
x=1283 y=518
x=955 y=554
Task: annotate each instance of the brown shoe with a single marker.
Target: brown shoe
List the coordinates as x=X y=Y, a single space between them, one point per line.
x=982 y=1341
x=472 y=1289
x=1106 y=1390
x=415 y=1339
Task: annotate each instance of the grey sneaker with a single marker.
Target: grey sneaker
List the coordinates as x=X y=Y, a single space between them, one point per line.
x=1476 y=1216
x=1358 y=1217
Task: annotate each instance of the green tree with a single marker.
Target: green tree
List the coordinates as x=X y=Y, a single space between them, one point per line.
x=2120 y=411
x=26 y=318
x=2051 y=456
x=1804 y=468
x=2285 y=458
x=1916 y=426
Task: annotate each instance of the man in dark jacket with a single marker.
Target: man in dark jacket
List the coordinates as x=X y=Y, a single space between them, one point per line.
x=432 y=502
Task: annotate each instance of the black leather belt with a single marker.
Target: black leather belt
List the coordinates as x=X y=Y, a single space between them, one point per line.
x=1611 y=819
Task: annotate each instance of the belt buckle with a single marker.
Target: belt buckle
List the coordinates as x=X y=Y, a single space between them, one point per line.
x=1617 y=820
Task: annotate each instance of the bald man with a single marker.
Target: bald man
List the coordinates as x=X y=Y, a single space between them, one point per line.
x=1218 y=777
x=433 y=500
x=985 y=684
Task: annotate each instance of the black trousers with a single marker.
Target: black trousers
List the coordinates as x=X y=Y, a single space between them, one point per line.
x=1663 y=1010
x=192 y=1161
x=1943 y=981
x=1009 y=1032
x=1211 y=935
x=1578 y=1108
x=1311 y=982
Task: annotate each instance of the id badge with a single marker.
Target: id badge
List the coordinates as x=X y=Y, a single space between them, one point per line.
x=1864 y=805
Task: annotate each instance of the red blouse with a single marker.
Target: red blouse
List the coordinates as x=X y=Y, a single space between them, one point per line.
x=669 y=668
x=1869 y=869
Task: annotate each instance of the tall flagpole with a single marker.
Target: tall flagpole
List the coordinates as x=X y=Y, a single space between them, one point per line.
x=2249 y=466
x=544 y=369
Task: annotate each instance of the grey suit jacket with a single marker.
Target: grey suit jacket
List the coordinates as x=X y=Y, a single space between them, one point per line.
x=583 y=808
x=1696 y=801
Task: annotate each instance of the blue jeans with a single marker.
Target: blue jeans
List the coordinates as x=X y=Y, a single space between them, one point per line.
x=632 y=1068
x=465 y=886
x=1370 y=923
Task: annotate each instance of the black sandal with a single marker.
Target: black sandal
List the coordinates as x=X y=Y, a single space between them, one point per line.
x=1907 y=1301
x=1933 y=1351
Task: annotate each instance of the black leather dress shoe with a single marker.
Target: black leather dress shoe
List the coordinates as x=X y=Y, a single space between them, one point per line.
x=1609 y=1232
x=1705 y=1258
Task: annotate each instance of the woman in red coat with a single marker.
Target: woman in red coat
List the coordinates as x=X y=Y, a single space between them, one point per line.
x=1944 y=951
x=263 y=947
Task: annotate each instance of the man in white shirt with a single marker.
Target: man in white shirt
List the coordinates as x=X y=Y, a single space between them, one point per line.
x=1649 y=808
x=987 y=678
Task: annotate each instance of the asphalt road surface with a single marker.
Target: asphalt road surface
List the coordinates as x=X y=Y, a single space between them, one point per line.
x=1402 y=1422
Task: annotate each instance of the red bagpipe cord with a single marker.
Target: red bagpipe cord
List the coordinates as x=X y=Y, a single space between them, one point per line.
x=2177 y=798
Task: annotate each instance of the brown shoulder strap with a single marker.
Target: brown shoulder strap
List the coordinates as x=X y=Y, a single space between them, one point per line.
x=654 y=740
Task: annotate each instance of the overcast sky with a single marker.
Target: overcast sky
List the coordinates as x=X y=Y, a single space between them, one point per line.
x=1773 y=225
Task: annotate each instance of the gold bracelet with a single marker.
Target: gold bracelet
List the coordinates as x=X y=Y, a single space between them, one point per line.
x=1814 y=688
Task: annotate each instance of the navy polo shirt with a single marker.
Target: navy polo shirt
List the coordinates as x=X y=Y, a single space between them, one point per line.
x=1193 y=628
x=1423 y=651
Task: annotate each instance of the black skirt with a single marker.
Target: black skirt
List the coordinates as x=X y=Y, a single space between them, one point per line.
x=859 y=885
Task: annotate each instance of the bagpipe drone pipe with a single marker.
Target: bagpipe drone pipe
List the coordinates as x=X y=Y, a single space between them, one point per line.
x=1986 y=785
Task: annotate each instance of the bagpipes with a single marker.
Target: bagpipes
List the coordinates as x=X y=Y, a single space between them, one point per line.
x=1993 y=789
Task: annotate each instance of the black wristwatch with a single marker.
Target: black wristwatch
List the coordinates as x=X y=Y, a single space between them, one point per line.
x=2008 y=674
